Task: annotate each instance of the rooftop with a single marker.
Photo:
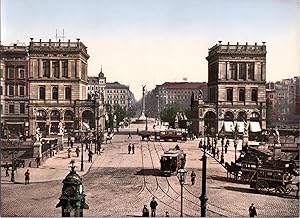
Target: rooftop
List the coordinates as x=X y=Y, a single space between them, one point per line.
x=183 y=85
x=116 y=85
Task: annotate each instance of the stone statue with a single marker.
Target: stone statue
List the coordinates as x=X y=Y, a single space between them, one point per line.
x=200 y=97
x=276 y=136
x=38 y=134
x=61 y=127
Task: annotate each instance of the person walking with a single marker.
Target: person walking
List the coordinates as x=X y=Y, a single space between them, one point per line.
x=193 y=177
x=69 y=152
x=217 y=153
x=167 y=214
x=72 y=143
x=38 y=161
x=90 y=156
x=153 y=205
x=132 y=148
x=129 y=148
x=145 y=211
x=226 y=146
x=6 y=170
x=77 y=151
x=27 y=178
x=252 y=211
x=200 y=143
x=227 y=142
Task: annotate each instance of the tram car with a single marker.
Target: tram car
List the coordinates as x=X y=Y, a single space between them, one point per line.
x=171 y=161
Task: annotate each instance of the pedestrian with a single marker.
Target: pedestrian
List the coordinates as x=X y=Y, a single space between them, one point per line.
x=226 y=146
x=129 y=136
x=90 y=156
x=200 y=143
x=86 y=145
x=153 y=205
x=77 y=151
x=69 y=152
x=167 y=214
x=6 y=170
x=132 y=148
x=38 y=161
x=27 y=174
x=252 y=211
x=218 y=152
x=72 y=143
x=145 y=211
x=193 y=177
x=227 y=142
x=213 y=150
x=129 y=148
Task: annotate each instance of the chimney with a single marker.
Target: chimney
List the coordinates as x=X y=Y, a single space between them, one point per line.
x=59 y=42
x=40 y=42
x=220 y=42
x=68 y=42
x=49 y=42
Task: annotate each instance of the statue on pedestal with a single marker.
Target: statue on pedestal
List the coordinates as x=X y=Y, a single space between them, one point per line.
x=61 y=128
x=38 y=134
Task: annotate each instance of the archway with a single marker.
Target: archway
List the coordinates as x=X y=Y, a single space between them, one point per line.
x=210 y=122
x=41 y=119
x=54 y=121
x=68 y=120
x=228 y=125
x=241 y=121
x=88 y=120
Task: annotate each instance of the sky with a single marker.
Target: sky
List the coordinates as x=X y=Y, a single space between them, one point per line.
x=149 y=42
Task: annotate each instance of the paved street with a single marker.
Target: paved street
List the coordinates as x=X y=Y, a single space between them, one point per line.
x=119 y=184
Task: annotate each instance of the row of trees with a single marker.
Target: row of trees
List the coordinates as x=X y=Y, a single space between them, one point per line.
x=169 y=115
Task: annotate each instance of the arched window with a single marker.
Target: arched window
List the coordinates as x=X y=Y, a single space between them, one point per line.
x=229 y=94
x=241 y=94
x=69 y=115
x=254 y=95
x=55 y=93
x=68 y=93
x=42 y=92
x=55 y=115
x=41 y=115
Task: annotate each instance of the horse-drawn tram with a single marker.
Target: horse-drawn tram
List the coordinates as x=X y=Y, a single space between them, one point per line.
x=171 y=161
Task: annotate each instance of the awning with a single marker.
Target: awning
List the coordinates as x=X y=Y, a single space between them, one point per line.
x=86 y=125
x=228 y=126
x=241 y=126
x=255 y=127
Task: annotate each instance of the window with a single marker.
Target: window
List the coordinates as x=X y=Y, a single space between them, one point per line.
x=11 y=90
x=241 y=94
x=1 y=90
x=233 y=71
x=251 y=71
x=55 y=69
x=68 y=93
x=229 y=94
x=1 y=73
x=242 y=71
x=22 y=108
x=11 y=73
x=54 y=93
x=21 y=73
x=254 y=95
x=22 y=91
x=65 y=68
x=42 y=92
x=11 y=109
x=46 y=68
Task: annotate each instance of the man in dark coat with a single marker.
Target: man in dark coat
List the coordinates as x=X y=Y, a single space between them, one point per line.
x=153 y=205
x=145 y=211
x=252 y=211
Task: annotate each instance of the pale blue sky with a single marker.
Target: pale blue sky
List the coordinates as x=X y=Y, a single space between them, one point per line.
x=152 y=41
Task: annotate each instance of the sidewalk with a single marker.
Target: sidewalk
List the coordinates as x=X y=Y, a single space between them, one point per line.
x=52 y=169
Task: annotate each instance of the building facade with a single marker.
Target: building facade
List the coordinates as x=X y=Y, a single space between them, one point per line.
x=118 y=94
x=57 y=79
x=96 y=85
x=236 y=90
x=14 y=90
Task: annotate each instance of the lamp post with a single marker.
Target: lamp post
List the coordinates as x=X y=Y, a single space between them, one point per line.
x=235 y=143
x=222 y=152
x=81 y=166
x=203 y=197
x=13 y=167
x=181 y=176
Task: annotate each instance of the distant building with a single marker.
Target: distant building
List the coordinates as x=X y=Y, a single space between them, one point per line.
x=118 y=94
x=96 y=85
x=271 y=101
x=286 y=101
x=236 y=90
x=173 y=94
x=14 y=90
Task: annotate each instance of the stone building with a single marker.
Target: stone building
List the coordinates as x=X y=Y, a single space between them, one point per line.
x=58 y=79
x=116 y=93
x=14 y=87
x=236 y=91
x=96 y=85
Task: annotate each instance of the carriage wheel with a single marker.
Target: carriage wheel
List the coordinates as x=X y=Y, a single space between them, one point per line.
x=262 y=186
x=280 y=191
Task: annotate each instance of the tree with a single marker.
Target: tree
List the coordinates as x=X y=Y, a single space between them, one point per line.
x=168 y=115
x=119 y=113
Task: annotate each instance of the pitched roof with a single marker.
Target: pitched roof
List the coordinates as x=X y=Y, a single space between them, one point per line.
x=116 y=85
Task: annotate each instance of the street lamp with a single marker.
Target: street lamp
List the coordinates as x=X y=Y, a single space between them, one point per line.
x=235 y=142
x=203 y=197
x=81 y=139
x=13 y=167
x=181 y=177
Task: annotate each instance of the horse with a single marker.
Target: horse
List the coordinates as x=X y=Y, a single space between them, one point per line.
x=232 y=169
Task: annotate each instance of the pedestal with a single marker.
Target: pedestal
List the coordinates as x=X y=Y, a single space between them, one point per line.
x=60 y=141
x=37 y=149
